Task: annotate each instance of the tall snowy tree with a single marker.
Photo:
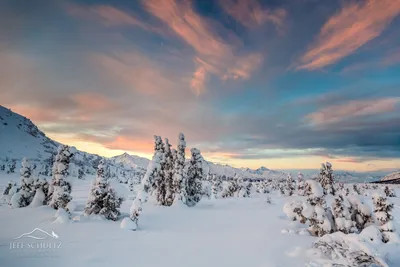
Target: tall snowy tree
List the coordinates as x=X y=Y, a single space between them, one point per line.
x=160 y=182
x=216 y=187
x=195 y=175
x=27 y=189
x=60 y=187
x=154 y=171
x=290 y=185
x=168 y=174
x=103 y=199
x=326 y=179
x=179 y=166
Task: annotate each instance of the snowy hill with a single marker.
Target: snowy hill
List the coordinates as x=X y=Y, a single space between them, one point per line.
x=392 y=176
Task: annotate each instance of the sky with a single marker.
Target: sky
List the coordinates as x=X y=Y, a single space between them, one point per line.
x=283 y=84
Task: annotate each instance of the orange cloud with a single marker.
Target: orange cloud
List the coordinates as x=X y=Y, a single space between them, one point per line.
x=135 y=71
x=250 y=13
x=350 y=109
x=92 y=101
x=198 y=80
x=36 y=114
x=355 y=25
x=214 y=55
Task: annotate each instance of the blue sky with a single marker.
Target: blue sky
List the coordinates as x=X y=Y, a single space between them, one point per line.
x=285 y=84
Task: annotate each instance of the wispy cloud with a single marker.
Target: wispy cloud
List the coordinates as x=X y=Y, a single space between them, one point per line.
x=357 y=23
x=351 y=109
x=214 y=55
x=251 y=14
x=109 y=16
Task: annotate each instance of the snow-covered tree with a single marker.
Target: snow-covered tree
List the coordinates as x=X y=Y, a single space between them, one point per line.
x=7 y=188
x=230 y=188
x=389 y=192
x=154 y=170
x=27 y=189
x=60 y=187
x=244 y=188
x=342 y=212
x=168 y=168
x=179 y=166
x=216 y=187
x=103 y=199
x=159 y=185
x=195 y=176
x=383 y=215
x=356 y=190
x=362 y=213
x=290 y=185
x=325 y=178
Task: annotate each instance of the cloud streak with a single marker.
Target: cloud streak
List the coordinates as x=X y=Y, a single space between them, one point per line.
x=351 y=109
x=357 y=23
x=251 y=14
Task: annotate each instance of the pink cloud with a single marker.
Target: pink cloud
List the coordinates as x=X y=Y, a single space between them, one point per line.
x=250 y=13
x=351 y=109
x=353 y=26
x=214 y=55
x=135 y=71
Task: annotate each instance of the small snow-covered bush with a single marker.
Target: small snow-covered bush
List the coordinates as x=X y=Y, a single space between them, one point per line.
x=389 y=192
x=383 y=214
x=362 y=213
x=342 y=212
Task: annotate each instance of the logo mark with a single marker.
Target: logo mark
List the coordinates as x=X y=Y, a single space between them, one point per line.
x=38 y=234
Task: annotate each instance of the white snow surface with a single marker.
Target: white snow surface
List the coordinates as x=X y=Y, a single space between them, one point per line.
x=223 y=232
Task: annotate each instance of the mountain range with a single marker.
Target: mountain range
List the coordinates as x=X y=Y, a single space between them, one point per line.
x=20 y=137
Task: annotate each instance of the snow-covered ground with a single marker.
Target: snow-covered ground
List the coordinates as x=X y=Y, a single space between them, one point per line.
x=225 y=232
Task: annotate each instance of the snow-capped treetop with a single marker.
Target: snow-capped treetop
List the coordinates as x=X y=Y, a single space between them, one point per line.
x=315 y=187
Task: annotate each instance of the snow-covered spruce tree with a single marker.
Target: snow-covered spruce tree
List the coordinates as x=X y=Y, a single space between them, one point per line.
x=60 y=187
x=216 y=187
x=154 y=171
x=383 y=214
x=7 y=188
x=103 y=199
x=342 y=212
x=362 y=214
x=244 y=188
x=356 y=190
x=195 y=175
x=290 y=185
x=325 y=178
x=179 y=166
x=160 y=182
x=27 y=189
x=389 y=192
x=168 y=168
x=320 y=218
x=148 y=183
x=230 y=188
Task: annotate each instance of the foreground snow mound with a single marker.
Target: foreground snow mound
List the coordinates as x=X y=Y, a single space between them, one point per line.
x=128 y=224
x=38 y=199
x=61 y=216
x=339 y=249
